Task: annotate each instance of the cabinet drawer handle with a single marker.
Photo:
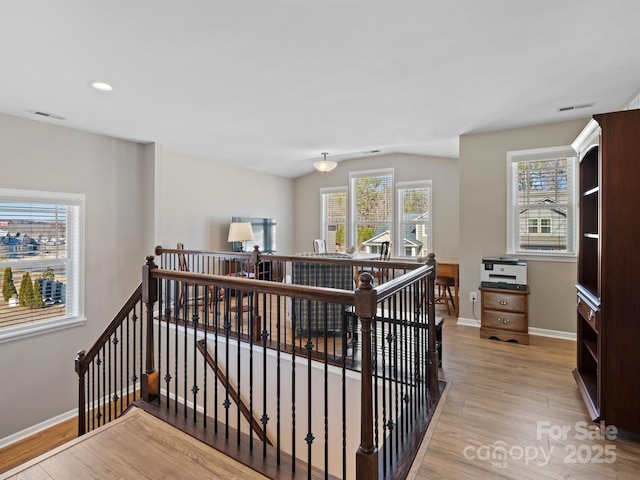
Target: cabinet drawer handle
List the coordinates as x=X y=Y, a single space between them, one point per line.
x=503 y=320
x=591 y=315
x=579 y=302
x=503 y=302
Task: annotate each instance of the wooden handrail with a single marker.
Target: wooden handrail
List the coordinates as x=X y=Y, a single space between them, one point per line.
x=84 y=358
x=233 y=393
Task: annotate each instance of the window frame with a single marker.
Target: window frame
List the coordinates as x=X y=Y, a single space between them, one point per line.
x=74 y=262
x=324 y=223
x=542 y=154
x=399 y=187
x=352 y=224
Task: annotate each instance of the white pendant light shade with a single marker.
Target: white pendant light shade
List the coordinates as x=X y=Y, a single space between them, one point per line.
x=325 y=165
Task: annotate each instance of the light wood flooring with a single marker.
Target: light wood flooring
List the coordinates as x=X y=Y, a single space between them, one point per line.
x=505 y=410
x=135 y=446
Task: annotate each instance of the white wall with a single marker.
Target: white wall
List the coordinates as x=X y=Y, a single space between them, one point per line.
x=483 y=216
x=445 y=194
x=37 y=378
x=196 y=199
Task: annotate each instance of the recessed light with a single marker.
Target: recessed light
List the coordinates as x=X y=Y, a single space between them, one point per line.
x=105 y=87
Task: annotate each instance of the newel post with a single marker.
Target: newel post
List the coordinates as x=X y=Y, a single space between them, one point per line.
x=81 y=370
x=432 y=358
x=367 y=454
x=150 y=384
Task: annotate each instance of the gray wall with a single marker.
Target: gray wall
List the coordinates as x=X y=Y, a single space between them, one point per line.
x=196 y=199
x=445 y=194
x=37 y=378
x=483 y=221
x=137 y=196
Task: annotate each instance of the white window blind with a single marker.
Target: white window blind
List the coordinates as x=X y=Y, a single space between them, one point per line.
x=414 y=216
x=371 y=209
x=542 y=203
x=41 y=235
x=334 y=218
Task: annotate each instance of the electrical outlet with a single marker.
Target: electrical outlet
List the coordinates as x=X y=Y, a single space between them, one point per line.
x=473 y=297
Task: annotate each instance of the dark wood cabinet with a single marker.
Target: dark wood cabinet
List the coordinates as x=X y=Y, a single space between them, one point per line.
x=608 y=302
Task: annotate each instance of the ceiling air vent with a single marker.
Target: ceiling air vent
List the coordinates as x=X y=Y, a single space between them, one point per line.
x=48 y=115
x=575 y=107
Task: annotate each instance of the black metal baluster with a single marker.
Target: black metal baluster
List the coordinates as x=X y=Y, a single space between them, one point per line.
x=176 y=372
x=194 y=328
x=278 y=378
x=101 y=412
x=185 y=362
x=309 y=438
x=205 y=311
x=128 y=356
x=227 y=332
x=265 y=334
x=293 y=391
x=239 y=314
x=107 y=390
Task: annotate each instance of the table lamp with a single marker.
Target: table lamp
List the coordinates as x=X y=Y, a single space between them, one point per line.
x=240 y=232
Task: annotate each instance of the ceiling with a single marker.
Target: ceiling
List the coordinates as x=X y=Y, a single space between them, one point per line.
x=270 y=84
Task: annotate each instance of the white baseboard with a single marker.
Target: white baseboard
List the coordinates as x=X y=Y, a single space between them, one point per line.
x=27 y=432
x=541 y=332
x=469 y=322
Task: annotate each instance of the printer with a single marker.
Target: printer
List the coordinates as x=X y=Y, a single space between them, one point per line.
x=502 y=272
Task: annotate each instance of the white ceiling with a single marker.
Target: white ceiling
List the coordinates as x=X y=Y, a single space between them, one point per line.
x=270 y=84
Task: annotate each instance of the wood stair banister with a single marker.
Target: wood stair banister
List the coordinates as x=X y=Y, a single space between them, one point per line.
x=255 y=424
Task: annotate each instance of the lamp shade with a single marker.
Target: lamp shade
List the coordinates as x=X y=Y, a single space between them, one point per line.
x=324 y=165
x=240 y=232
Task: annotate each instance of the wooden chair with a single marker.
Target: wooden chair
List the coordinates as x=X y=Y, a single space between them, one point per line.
x=184 y=267
x=444 y=285
x=379 y=274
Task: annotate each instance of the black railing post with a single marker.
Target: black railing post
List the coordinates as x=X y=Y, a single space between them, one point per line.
x=432 y=359
x=150 y=384
x=81 y=370
x=367 y=454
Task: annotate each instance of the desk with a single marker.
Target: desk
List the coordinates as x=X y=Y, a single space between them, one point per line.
x=449 y=268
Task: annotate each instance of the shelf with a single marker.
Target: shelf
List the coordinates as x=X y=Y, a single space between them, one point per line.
x=592 y=191
x=592 y=347
x=588 y=386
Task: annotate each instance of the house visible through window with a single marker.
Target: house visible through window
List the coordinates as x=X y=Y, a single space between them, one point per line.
x=371 y=209
x=40 y=261
x=414 y=215
x=542 y=201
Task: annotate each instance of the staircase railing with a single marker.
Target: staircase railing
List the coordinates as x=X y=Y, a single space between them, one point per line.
x=299 y=386
x=109 y=373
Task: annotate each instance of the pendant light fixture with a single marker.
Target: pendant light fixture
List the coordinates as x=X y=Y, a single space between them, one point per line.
x=324 y=165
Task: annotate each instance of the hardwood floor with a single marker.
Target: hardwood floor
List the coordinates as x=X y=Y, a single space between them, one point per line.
x=135 y=446
x=511 y=411
x=514 y=412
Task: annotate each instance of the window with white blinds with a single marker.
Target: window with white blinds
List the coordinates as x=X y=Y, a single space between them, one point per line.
x=334 y=218
x=371 y=209
x=542 y=202
x=41 y=242
x=414 y=216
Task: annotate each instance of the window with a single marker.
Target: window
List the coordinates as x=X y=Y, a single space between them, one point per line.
x=414 y=217
x=542 y=204
x=40 y=261
x=371 y=209
x=334 y=218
